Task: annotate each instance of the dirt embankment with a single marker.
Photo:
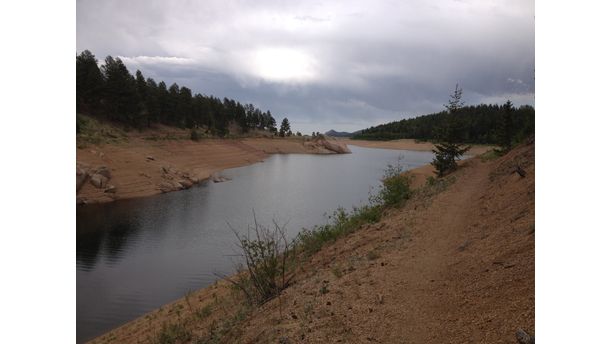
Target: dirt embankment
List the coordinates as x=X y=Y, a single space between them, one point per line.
x=455 y=264
x=409 y=144
x=142 y=167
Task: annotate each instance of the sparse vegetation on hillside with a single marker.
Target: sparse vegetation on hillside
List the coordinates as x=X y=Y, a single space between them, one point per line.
x=267 y=258
x=91 y=131
x=270 y=259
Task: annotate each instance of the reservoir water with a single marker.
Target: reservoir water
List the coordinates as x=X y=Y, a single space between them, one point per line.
x=134 y=256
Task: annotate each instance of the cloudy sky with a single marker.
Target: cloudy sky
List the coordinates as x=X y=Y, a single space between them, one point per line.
x=344 y=65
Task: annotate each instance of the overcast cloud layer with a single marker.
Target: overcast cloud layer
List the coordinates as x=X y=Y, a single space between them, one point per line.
x=342 y=65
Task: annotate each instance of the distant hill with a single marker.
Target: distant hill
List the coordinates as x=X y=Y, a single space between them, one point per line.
x=334 y=133
x=475 y=124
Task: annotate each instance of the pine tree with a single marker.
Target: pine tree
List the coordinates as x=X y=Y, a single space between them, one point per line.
x=152 y=102
x=505 y=130
x=164 y=102
x=120 y=91
x=285 y=128
x=89 y=82
x=272 y=124
x=446 y=155
x=455 y=103
x=185 y=116
x=449 y=150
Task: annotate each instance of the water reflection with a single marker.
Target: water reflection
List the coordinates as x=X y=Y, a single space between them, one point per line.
x=136 y=255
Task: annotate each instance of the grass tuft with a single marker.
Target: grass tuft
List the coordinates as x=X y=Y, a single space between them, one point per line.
x=173 y=333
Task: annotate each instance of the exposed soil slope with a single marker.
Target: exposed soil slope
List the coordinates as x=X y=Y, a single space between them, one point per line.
x=408 y=144
x=454 y=265
x=140 y=167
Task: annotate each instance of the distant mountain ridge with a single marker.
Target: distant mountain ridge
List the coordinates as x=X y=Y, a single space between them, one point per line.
x=334 y=133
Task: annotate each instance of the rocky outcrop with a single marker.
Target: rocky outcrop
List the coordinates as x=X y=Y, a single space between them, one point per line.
x=176 y=180
x=324 y=144
x=335 y=146
x=110 y=189
x=217 y=178
x=185 y=183
x=170 y=185
x=104 y=171
x=81 y=176
x=100 y=177
x=98 y=180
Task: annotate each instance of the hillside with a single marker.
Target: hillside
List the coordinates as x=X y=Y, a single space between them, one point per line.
x=455 y=264
x=471 y=124
x=334 y=133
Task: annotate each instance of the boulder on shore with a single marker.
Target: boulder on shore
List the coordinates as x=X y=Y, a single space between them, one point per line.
x=169 y=186
x=81 y=177
x=185 y=183
x=98 y=180
x=217 y=178
x=104 y=171
x=328 y=144
x=110 y=189
x=335 y=146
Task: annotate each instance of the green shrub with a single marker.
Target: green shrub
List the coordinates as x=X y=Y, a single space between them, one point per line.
x=431 y=181
x=204 y=312
x=267 y=257
x=395 y=187
x=341 y=223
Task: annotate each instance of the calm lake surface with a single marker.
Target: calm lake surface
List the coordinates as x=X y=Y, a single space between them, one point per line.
x=134 y=256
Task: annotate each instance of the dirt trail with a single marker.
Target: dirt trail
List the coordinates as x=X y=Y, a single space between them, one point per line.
x=456 y=268
x=454 y=265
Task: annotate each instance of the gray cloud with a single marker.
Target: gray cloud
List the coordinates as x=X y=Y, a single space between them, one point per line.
x=343 y=65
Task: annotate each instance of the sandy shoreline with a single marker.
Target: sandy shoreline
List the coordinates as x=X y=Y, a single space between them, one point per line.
x=409 y=144
x=140 y=168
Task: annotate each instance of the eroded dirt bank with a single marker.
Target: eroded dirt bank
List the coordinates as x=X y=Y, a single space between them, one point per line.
x=455 y=264
x=141 y=167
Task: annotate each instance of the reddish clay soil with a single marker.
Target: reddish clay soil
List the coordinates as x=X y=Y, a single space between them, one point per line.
x=138 y=167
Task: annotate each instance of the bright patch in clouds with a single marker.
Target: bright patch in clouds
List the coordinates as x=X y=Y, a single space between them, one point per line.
x=284 y=65
x=335 y=64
